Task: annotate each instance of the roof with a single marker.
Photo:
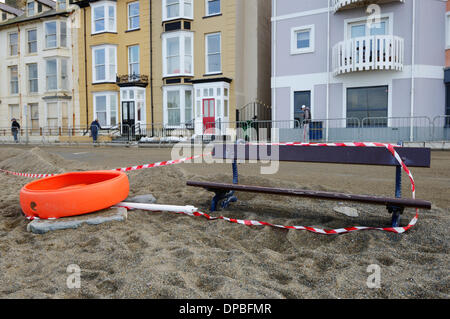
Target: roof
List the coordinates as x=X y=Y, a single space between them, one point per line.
x=25 y=18
x=49 y=3
x=10 y=9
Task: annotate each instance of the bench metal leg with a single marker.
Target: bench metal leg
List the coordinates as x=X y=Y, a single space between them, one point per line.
x=225 y=195
x=397 y=211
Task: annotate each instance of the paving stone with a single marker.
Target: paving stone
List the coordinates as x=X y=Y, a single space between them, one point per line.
x=42 y=226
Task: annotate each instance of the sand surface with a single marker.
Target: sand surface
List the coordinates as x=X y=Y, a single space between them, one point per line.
x=164 y=255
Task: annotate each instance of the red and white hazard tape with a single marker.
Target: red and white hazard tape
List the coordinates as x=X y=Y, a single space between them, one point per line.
x=26 y=174
x=159 y=164
x=390 y=147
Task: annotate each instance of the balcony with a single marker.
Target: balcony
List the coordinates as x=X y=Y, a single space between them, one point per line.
x=381 y=52
x=339 y=5
x=132 y=80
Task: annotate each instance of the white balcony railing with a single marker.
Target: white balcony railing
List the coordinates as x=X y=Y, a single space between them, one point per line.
x=349 y=4
x=381 y=52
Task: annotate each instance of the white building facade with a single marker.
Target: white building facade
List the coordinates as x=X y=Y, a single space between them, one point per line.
x=37 y=68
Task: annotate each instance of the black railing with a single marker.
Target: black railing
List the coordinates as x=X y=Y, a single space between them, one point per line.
x=132 y=80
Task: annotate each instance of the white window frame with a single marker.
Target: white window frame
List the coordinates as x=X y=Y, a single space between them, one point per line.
x=181 y=35
x=10 y=69
x=108 y=95
x=30 y=79
x=28 y=41
x=9 y=43
x=181 y=13
x=130 y=63
x=130 y=17
x=109 y=77
x=58 y=4
x=105 y=4
x=447 y=30
x=295 y=31
x=389 y=17
x=207 y=14
x=181 y=89
x=28 y=8
x=61 y=84
x=208 y=72
x=58 y=34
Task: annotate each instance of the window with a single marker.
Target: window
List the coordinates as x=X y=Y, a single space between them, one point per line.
x=51 y=39
x=32 y=41
x=13 y=44
x=212 y=7
x=33 y=78
x=61 y=4
x=301 y=98
x=103 y=17
x=174 y=9
x=104 y=63
x=30 y=8
x=14 y=79
x=368 y=102
x=363 y=29
x=105 y=108
x=133 y=61
x=33 y=116
x=4 y=16
x=133 y=15
x=52 y=115
x=302 y=40
x=213 y=53
x=63 y=34
x=178 y=53
x=14 y=111
x=52 y=74
x=53 y=68
x=178 y=101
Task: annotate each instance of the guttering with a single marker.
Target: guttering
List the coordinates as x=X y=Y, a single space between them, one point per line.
x=85 y=70
x=413 y=58
x=328 y=74
x=151 y=67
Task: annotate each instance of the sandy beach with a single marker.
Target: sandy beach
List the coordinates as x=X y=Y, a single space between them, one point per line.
x=165 y=255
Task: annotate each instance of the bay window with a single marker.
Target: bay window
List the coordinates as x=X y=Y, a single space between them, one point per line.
x=105 y=108
x=103 y=16
x=104 y=63
x=52 y=30
x=178 y=101
x=178 y=53
x=175 y=9
x=57 y=74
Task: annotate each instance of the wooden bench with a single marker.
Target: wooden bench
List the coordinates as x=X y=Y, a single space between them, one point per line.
x=412 y=157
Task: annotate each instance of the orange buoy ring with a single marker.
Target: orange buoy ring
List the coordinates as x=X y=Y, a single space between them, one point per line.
x=73 y=194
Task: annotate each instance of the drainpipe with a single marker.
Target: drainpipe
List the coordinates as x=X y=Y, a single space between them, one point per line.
x=328 y=74
x=85 y=71
x=274 y=42
x=413 y=73
x=151 y=68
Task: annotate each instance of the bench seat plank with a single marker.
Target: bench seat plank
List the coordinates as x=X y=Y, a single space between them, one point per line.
x=412 y=157
x=401 y=202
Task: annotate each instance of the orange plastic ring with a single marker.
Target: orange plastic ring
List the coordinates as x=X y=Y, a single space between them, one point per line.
x=73 y=194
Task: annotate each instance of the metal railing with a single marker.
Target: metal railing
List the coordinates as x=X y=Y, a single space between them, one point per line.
x=375 y=129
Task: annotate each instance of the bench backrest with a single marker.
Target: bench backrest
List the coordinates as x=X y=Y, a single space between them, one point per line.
x=411 y=156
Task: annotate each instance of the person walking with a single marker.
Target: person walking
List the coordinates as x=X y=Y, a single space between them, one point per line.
x=95 y=127
x=15 y=127
x=306 y=122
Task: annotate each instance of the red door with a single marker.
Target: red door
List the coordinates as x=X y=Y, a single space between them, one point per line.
x=209 y=115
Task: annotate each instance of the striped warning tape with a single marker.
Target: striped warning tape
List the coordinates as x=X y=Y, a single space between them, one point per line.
x=389 y=147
